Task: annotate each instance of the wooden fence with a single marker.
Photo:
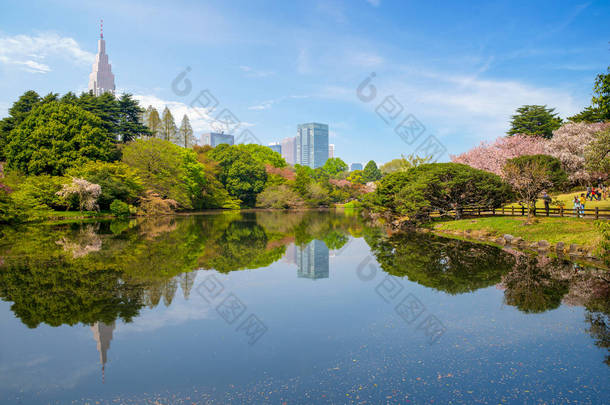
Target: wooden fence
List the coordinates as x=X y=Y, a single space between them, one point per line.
x=468 y=212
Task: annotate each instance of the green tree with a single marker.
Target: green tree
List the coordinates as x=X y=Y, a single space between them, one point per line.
x=129 y=125
x=185 y=133
x=55 y=137
x=168 y=126
x=334 y=166
x=262 y=154
x=371 y=172
x=241 y=174
x=106 y=107
x=535 y=120
x=599 y=111
x=554 y=170
x=442 y=187
x=403 y=164
x=528 y=177
x=118 y=181
x=16 y=114
x=153 y=121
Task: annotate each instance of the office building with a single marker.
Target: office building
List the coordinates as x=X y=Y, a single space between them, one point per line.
x=289 y=150
x=312 y=260
x=276 y=147
x=312 y=144
x=331 y=150
x=101 y=79
x=214 y=139
x=355 y=166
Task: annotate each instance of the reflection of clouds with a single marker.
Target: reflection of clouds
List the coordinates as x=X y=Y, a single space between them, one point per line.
x=179 y=312
x=33 y=376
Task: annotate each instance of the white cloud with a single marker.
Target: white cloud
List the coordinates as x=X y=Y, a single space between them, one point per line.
x=201 y=118
x=265 y=105
x=30 y=52
x=251 y=72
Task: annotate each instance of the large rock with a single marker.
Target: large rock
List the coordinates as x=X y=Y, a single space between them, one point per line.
x=508 y=238
x=543 y=245
x=560 y=247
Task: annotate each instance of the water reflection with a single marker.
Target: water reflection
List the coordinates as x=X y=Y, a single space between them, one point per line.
x=96 y=274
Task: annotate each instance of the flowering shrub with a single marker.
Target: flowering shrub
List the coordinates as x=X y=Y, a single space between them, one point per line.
x=85 y=192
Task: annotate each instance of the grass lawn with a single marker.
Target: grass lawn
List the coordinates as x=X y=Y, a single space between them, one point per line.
x=569 y=198
x=567 y=230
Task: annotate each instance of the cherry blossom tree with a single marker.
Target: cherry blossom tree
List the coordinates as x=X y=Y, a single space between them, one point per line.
x=569 y=144
x=493 y=156
x=86 y=193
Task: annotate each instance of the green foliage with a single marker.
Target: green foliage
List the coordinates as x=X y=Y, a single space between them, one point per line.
x=241 y=172
x=371 y=172
x=119 y=209
x=403 y=164
x=334 y=166
x=356 y=177
x=40 y=192
x=262 y=154
x=159 y=165
x=556 y=174
x=438 y=186
x=17 y=113
x=279 y=197
x=604 y=228
x=535 y=120
x=118 y=181
x=168 y=129
x=55 y=137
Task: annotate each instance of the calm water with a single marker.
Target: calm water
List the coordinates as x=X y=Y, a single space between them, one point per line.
x=294 y=308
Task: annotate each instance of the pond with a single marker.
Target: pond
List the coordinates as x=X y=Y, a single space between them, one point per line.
x=294 y=308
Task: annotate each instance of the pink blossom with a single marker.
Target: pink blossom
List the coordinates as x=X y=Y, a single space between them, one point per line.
x=492 y=156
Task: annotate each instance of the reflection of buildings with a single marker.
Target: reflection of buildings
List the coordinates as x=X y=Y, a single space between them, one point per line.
x=102 y=333
x=312 y=260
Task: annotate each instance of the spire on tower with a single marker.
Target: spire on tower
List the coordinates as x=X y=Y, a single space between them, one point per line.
x=101 y=29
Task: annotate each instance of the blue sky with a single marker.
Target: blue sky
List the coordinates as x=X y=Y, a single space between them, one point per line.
x=461 y=70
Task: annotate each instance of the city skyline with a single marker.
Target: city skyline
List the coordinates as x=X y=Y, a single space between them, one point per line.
x=462 y=89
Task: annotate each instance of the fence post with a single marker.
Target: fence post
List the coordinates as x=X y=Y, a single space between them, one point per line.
x=561 y=211
x=479 y=209
x=522 y=211
x=596 y=212
x=493 y=211
x=502 y=210
x=534 y=210
x=512 y=211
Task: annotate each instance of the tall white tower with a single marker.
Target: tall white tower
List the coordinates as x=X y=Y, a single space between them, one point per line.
x=101 y=79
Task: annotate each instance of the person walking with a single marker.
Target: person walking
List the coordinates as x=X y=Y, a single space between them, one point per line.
x=588 y=193
x=576 y=206
x=547 y=202
x=583 y=201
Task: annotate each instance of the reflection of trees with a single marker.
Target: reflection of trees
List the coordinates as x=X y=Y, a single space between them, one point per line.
x=84 y=242
x=106 y=271
x=531 y=287
x=448 y=265
x=599 y=329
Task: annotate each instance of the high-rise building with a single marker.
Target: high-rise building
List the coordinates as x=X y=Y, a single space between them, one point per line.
x=101 y=79
x=312 y=144
x=289 y=150
x=312 y=260
x=214 y=139
x=331 y=150
x=276 y=147
x=355 y=166
x=102 y=333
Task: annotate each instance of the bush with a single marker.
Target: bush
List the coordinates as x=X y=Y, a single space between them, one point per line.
x=119 y=209
x=153 y=204
x=41 y=192
x=118 y=181
x=556 y=174
x=421 y=190
x=279 y=197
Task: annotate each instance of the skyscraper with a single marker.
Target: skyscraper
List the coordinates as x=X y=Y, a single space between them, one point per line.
x=289 y=150
x=214 y=139
x=312 y=144
x=276 y=147
x=101 y=79
x=355 y=166
x=331 y=150
x=312 y=260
